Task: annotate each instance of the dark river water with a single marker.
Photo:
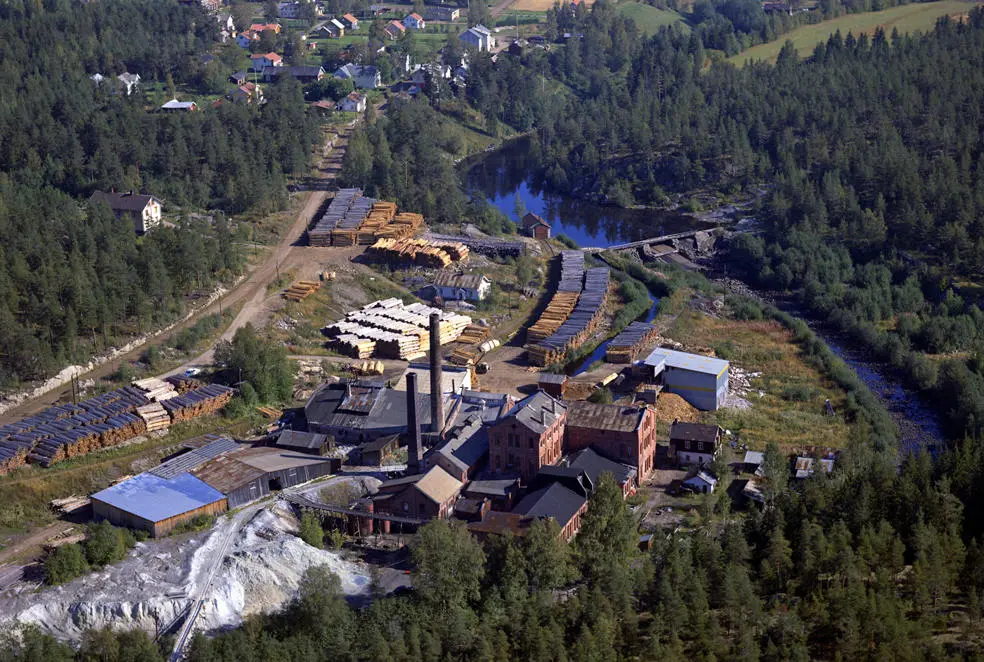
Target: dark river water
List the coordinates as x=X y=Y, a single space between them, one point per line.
x=505 y=173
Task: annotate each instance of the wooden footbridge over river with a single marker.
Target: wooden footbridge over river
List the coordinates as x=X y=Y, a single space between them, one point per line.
x=653 y=240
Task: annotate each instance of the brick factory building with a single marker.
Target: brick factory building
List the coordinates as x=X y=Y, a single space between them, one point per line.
x=430 y=494
x=528 y=437
x=622 y=434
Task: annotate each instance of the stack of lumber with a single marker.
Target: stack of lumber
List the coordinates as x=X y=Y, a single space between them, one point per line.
x=183 y=383
x=155 y=389
x=270 y=412
x=631 y=342
x=60 y=541
x=555 y=314
x=12 y=456
x=202 y=401
x=155 y=416
x=403 y=225
x=301 y=290
x=579 y=325
x=390 y=329
x=475 y=334
x=571 y=271
x=321 y=233
x=70 y=430
x=465 y=356
x=420 y=252
x=484 y=245
x=369 y=368
x=352 y=345
x=70 y=504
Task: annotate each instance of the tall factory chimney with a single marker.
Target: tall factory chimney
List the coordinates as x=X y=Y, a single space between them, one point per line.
x=415 y=446
x=437 y=397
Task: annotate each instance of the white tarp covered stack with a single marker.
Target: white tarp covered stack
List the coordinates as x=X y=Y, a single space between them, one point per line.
x=156 y=390
x=391 y=329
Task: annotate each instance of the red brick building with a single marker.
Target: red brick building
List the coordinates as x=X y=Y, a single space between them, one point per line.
x=622 y=434
x=528 y=437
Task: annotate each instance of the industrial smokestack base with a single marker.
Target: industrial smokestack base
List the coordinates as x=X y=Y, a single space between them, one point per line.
x=437 y=396
x=415 y=446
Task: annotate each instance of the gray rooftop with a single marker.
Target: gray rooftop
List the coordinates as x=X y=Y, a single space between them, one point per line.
x=554 y=501
x=684 y=361
x=537 y=412
x=195 y=458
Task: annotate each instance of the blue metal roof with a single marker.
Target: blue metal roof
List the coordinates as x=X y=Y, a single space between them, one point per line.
x=695 y=362
x=154 y=498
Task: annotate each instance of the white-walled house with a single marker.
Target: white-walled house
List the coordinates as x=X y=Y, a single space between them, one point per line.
x=462 y=287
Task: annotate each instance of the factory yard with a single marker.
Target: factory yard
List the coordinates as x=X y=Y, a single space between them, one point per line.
x=379 y=322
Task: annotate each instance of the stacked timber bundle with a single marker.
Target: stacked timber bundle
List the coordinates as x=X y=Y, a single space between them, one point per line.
x=571 y=271
x=389 y=329
x=183 y=383
x=320 y=234
x=403 y=225
x=79 y=441
x=475 y=334
x=484 y=245
x=423 y=253
x=12 y=456
x=352 y=345
x=202 y=401
x=467 y=355
x=631 y=342
x=155 y=389
x=555 y=314
x=301 y=290
x=155 y=416
x=582 y=321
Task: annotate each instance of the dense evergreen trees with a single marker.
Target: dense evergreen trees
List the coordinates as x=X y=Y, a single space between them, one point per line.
x=73 y=280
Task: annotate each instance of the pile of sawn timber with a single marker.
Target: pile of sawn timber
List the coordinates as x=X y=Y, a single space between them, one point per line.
x=564 y=300
x=199 y=402
x=631 y=342
x=419 y=252
x=579 y=325
x=69 y=430
x=484 y=246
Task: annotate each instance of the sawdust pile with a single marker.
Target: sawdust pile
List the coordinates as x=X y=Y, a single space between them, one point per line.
x=671 y=407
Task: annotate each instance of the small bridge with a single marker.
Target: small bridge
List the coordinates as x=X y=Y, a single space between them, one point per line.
x=654 y=240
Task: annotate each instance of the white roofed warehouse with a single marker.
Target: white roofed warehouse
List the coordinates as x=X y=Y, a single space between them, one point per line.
x=700 y=380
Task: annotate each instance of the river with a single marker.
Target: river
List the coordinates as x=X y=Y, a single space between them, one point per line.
x=504 y=174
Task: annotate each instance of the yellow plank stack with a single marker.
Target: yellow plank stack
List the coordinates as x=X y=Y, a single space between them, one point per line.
x=421 y=252
x=301 y=290
x=555 y=314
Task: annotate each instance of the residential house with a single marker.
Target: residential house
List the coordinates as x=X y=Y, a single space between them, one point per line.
x=535 y=226
x=694 y=443
x=805 y=466
x=247 y=93
x=394 y=30
x=700 y=380
x=303 y=74
x=364 y=77
x=431 y=495
x=179 y=106
x=143 y=210
x=413 y=21
x=97 y=78
x=479 y=37
x=257 y=28
x=702 y=482
x=620 y=433
x=529 y=436
x=350 y=22
x=261 y=62
x=753 y=462
x=447 y=13
x=128 y=82
x=245 y=38
x=462 y=287
x=240 y=77
x=289 y=9
x=353 y=103
x=334 y=28
x=225 y=22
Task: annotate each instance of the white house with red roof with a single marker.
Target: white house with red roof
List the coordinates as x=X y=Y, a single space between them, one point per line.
x=262 y=61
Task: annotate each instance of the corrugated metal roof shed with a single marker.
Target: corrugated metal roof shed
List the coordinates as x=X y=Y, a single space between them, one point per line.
x=685 y=361
x=195 y=458
x=227 y=474
x=275 y=459
x=154 y=498
x=295 y=439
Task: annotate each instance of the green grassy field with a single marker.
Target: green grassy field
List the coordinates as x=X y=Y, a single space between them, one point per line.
x=906 y=18
x=649 y=18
